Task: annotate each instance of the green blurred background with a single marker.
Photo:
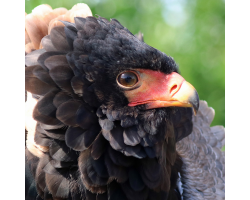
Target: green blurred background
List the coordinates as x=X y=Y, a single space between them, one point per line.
x=191 y=31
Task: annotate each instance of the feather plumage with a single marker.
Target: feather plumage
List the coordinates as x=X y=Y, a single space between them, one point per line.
x=204 y=164
x=87 y=143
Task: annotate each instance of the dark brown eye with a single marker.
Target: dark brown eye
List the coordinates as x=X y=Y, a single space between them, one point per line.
x=127 y=79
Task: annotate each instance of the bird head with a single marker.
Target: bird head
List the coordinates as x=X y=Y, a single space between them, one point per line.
x=124 y=71
x=128 y=77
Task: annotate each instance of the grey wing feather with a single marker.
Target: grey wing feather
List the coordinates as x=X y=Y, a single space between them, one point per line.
x=203 y=174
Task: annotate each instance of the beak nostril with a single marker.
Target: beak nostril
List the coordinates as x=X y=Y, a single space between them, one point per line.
x=173 y=89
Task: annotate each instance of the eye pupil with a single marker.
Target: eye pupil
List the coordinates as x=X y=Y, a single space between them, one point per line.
x=127 y=79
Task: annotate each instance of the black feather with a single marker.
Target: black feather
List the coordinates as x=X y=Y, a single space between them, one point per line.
x=62 y=76
x=100 y=167
x=85 y=118
x=45 y=111
x=99 y=113
x=66 y=112
x=59 y=164
x=77 y=85
x=115 y=171
x=69 y=25
x=150 y=171
x=32 y=57
x=95 y=178
x=145 y=141
x=50 y=169
x=102 y=196
x=131 y=136
x=128 y=122
x=116 y=139
x=57 y=185
x=79 y=23
x=141 y=131
x=52 y=127
x=42 y=139
x=150 y=152
x=59 y=40
x=106 y=124
x=43 y=57
x=35 y=85
x=99 y=146
x=47 y=194
x=40 y=174
x=47 y=44
x=115 y=192
x=135 y=180
x=119 y=158
x=60 y=98
x=116 y=23
x=72 y=59
x=171 y=151
x=153 y=195
x=70 y=36
x=43 y=75
x=80 y=139
x=58 y=134
x=131 y=194
x=135 y=151
x=54 y=61
x=88 y=174
x=61 y=152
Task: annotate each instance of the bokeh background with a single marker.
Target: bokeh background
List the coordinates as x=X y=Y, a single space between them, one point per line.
x=190 y=31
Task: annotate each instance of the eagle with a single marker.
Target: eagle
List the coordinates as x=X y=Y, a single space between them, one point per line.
x=109 y=117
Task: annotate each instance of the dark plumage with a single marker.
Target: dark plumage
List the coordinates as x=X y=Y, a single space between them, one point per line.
x=88 y=143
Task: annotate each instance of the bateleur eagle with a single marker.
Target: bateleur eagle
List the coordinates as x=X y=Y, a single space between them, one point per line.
x=110 y=118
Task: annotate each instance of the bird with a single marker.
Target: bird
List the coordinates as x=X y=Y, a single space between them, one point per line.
x=109 y=117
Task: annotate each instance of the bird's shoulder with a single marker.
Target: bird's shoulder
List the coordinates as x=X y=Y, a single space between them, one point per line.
x=203 y=174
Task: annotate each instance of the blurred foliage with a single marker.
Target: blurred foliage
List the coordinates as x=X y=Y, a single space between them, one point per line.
x=190 y=31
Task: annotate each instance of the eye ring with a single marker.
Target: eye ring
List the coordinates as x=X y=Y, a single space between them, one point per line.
x=128 y=79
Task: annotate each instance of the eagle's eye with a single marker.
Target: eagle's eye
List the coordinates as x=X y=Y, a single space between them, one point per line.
x=127 y=79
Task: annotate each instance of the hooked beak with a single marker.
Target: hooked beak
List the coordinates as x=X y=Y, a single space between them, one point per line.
x=163 y=90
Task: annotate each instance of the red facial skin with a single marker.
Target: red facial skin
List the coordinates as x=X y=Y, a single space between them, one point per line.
x=156 y=89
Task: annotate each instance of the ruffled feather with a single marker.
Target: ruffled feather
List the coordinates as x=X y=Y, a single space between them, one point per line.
x=92 y=145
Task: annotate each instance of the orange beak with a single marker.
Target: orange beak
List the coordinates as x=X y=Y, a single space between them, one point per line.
x=163 y=90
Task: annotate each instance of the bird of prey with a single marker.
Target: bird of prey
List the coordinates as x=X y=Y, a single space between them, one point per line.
x=109 y=117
